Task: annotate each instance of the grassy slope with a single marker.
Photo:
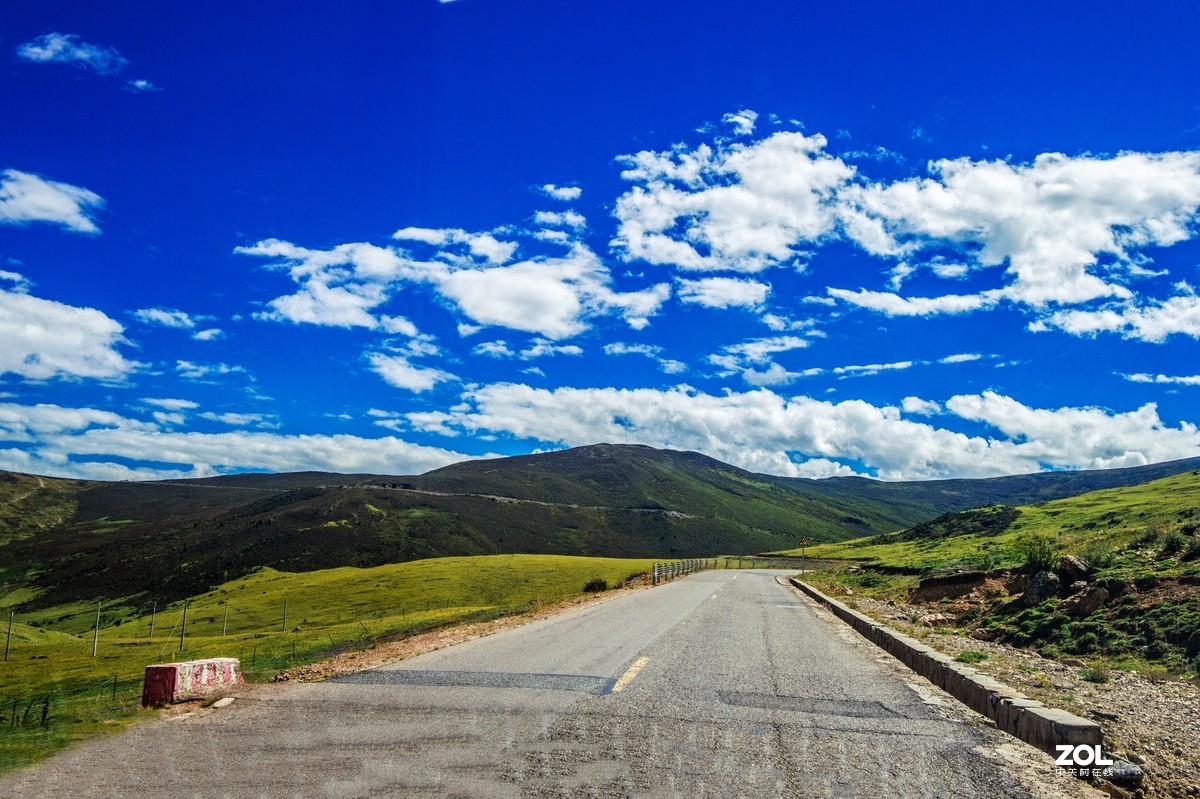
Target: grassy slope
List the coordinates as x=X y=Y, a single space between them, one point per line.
x=1110 y=519
x=1142 y=543
x=327 y=610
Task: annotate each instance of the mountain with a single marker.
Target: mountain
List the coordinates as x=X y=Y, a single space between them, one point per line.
x=71 y=540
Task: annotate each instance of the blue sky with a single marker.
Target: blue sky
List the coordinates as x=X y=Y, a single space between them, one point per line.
x=902 y=241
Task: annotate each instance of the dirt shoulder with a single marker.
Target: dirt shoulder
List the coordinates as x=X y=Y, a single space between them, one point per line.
x=1149 y=721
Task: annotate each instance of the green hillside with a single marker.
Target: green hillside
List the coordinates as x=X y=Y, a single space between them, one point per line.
x=65 y=541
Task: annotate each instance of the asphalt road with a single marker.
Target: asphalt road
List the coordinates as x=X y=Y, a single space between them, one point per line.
x=724 y=684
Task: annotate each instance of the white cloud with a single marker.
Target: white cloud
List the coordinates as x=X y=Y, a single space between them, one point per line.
x=26 y=198
x=552 y=296
x=895 y=305
x=1064 y=228
x=962 y=357
x=742 y=121
x=723 y=292
x=773 y=375
x=67 y=48
x=42 y=339
x=239 y=419
x=916 y=406
x=396 y=370
x=1160 y=379
x=171 y=404
x=564 y=193
x=190 y=370
x=651 y=351
x=737 y=207
x=494 y=349
x=165 y=318
x=1153 y=321
x=873 y=368
x=53 y=437
x=569 y=219
x=208 y=334
x=141 y=85
x=763 y=431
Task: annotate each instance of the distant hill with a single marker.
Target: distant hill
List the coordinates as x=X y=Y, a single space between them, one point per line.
x=69 y=540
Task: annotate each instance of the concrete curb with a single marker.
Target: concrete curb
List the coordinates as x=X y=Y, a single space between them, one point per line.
x=1016 y=714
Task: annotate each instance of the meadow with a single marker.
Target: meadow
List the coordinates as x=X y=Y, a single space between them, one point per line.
x=53 y=691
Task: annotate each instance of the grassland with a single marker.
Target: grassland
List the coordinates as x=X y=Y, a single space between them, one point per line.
x=1141 y=545
x=51 y=666
x=1116 y=526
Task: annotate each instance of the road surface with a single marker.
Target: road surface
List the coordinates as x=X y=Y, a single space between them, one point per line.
x=724 y=684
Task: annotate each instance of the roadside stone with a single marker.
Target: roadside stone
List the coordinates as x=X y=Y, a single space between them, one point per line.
x=1043 y=586
x=1086 y=603
x=1072 y=569
x=985 y=634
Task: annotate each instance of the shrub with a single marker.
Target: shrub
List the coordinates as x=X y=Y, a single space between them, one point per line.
x=595 y=586
x=1098 y=555
x=1039 y=553
x=971 y=656
x=1172 y=542
x=1096 y=674
x=1192 y=551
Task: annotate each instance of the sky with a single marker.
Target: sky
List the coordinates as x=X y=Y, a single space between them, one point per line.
x=906 y=241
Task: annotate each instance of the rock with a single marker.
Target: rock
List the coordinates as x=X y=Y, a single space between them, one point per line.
x=1042 y=586
x=1139 y=759
x=1086 y=603
x=1076 y=587
x=938 y=620
x=1072 y=569
x=985 y=634
x=1076 y=662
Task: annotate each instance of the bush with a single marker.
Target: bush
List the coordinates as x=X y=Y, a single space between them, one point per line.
x=1098 y=556
x=1172 y=542
x=971 y=656
x=1192 y=551
x=1039 y=553
x=595 y=586
x=1096 y=674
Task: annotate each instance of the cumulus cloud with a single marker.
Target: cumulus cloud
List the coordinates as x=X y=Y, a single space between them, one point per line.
x=764 y=431
x=551 y=295
x=54 y=440
x=141 y=85
x=1065 y=229
x=42 y=339
x=538 y=348
x=723 y=292
x=731 y=207
x=742 y=122
x=67 y=48
x=398 y=371
x=651 y=351
x=564 y=193
x=26 y=198
x=165 y=318
x=189 y=370
x=891 y=304
x=171 y=404
x=1147 y=320
x=1160 y=379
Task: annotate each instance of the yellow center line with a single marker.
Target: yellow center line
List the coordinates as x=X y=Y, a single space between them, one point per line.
x=629 y=674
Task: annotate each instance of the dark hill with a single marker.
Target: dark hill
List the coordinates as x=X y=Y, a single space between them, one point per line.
x=70 y=540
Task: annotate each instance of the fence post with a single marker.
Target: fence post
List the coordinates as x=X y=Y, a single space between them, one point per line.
x=153 y=611
x=183 y=626
x=8 y=641
x=96 y=637
x=284 y=628
x=225 y=623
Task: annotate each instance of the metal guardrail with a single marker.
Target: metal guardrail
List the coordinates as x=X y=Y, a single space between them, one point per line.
x=673 y=569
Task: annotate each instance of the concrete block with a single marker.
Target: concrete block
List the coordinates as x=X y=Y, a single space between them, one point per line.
x=165 y=683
